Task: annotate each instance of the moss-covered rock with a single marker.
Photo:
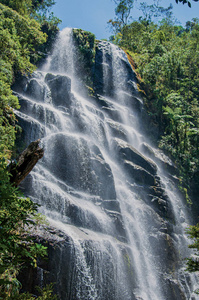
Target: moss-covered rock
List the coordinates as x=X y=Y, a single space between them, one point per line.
x=85 y=42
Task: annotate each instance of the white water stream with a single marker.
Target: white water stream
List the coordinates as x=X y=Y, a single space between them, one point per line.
x=81 y=173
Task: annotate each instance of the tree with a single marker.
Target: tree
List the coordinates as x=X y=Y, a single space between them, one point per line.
x=165 y=57
x=154 y=11
x=122 y=12
x=193 y=262
x=20 y=39
x=186 y=2
x=16 y=246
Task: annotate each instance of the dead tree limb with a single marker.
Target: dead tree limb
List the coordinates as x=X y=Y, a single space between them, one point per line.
x=25 y=163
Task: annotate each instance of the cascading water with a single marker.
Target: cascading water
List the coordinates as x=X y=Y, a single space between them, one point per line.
x=101 y=183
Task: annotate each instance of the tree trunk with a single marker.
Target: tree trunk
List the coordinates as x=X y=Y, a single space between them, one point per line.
x=25 y=163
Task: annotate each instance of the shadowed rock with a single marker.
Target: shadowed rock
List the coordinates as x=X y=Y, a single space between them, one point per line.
x=127 y=152
x=60 y=87
x=140 y=175
x=35 y=90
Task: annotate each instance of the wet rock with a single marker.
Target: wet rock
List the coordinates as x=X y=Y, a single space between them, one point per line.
x=101 y=101
x=31 y=130
x=140 y=175
x=113 y=113
x=35 y=90
x=58 y=244
x=83 y=218
x=79 y=167
x=20 y=83
x=119 y=225
x=39 y=113
x=158 y=191
x=101 y=50
x=60 y=87
x=131 y=100
x=113 y=205
x=174 y=290
x=66 y=258
x=24 y=104
x=164 y=249
x=127 y=152
x=160 y=158
x=160 y=206
x=103 y=174
x=117 y=130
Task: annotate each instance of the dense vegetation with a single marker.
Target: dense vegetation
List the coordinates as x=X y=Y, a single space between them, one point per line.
x=21 y=42
x=85 y=57
x=165 y=57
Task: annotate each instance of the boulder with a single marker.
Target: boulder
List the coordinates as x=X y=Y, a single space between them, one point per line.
x=160 y=158
x=113 y=113
x=35 y=90
x=60 y=87
x=112 y=205
x=129 y=153
x=117 y=130
x=140 y=175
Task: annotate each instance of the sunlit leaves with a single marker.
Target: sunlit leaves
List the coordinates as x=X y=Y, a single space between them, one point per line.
x=16 y=246
x=20 y=37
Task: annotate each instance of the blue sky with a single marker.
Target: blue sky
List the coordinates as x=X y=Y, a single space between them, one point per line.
x=93 y=15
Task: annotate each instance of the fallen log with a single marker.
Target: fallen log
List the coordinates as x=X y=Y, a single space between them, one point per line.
x=25 y=162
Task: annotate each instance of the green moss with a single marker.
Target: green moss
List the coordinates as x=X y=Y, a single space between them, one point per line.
x=85 y=42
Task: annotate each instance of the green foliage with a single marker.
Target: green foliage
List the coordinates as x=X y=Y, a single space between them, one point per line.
x=21 y=39
x=85 y=59
x=193 y=262
x=21 y=6
x=16 y=246
x=166 y=58
x=154 y=11
x=122 y=12
x=45 y=294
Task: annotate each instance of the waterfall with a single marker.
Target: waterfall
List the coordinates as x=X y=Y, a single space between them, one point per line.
x=102 y=183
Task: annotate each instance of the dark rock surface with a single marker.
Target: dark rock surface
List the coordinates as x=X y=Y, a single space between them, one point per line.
x=35 y=90
x=139 y=174
x=98 y=69
x=63 y=256
x=129 y=153
x=60 y=87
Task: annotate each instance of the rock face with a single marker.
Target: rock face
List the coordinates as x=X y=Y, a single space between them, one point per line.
x=60 y=87
x=116 y=219
x=129 y=153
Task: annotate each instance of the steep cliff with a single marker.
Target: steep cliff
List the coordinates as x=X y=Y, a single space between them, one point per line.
x=116 y=217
